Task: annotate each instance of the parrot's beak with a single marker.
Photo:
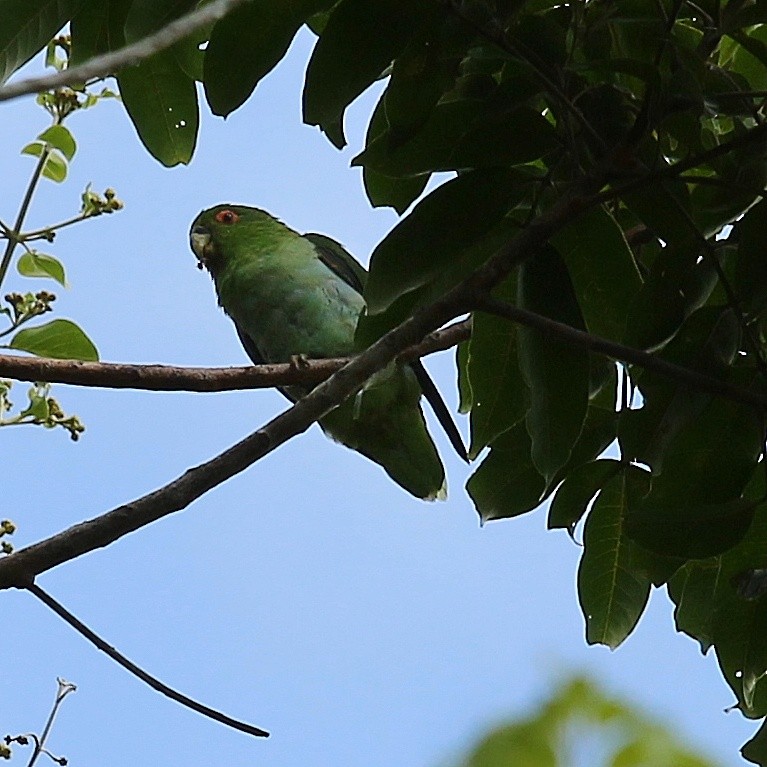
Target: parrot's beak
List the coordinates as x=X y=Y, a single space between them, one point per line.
x=199 y=239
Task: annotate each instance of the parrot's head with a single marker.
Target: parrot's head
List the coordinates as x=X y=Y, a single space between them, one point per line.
x=228 y=231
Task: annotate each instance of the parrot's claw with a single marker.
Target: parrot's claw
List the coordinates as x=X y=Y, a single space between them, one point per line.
x=299 y=361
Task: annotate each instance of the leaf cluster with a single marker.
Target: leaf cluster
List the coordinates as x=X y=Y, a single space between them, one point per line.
x=656 y=106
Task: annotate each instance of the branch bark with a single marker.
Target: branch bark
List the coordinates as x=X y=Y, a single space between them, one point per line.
x=575 y=337
x=109 y=63
x=20 y=568
x=112 y=375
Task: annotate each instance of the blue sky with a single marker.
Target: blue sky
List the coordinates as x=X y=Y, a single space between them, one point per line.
x=309 y=595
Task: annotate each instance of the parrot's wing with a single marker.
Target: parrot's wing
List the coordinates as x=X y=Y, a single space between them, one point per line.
x=342 y=263
x=346 y=267
x=256 y=357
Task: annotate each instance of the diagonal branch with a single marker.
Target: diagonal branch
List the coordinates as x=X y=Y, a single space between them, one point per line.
x=110 y=63
x=169 y=378
x=580 y=338
x=21 y=567
x=127 y=664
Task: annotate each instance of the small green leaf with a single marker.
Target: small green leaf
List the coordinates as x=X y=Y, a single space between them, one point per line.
x=161 y=100
x=612 y=592
x=506 y=484
x=55 y=167
x=60 y=137
x=34 y=264
x=755 y=750
x=60 y=339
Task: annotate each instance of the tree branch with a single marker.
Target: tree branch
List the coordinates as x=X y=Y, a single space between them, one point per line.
x=109 y=63
x=616 y=351
x=113 y=375
x=127 y=664
x=20 y=568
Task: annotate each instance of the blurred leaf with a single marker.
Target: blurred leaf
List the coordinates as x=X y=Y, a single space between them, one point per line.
x=247 y=44
x=34 y=264
x=27 y=27
x=377 y=33
x=612 y=592
x=506 y=483
x=499 y=392
x=60 y=339
x=557 y=374
x=161 y=100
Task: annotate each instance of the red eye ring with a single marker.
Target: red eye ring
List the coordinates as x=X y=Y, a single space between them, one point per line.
x=227 y=217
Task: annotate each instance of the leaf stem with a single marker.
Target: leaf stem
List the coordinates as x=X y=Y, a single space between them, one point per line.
x=13 y=236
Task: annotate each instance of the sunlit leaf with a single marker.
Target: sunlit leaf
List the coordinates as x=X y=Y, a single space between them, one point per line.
x=60 y=339
x=34 y=264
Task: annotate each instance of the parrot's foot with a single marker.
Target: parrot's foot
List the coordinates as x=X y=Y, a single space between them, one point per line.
x=299 y=361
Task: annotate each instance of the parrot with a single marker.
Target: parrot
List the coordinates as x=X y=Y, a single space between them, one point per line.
x=293 y=297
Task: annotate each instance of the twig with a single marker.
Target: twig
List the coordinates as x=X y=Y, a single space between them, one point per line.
x=616 y=351
x=109 y=63
x=154 y=683
x=20 y=568
x=169 y=378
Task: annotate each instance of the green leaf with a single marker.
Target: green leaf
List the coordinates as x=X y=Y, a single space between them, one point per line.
x=693 y=589
x=247 y=44
x=55 y=167
x=707 y=342
x=612 y=592
x=147 y=16
x=59 y=137
x=34 y=264
x=602 y=269
x=465 y=395
x=755 y=750
x=161 y=100
x=460 y=135
x=438 y=231
x=376 y=32
x=398 y=193
x=557 y=374
x=577 y=491
x=739 y=631
x=751 y=266
x=27 y=27
x=60 y=339
x=98 y=28
x=499 y=392
x=506 y=484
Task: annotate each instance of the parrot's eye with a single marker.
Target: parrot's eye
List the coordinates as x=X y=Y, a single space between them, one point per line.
x=227 y=217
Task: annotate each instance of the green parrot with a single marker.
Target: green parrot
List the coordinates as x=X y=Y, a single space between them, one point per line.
x=292 y=296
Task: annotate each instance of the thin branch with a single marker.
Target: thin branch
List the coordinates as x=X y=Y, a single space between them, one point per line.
x=110 y=63
x=616 y=351
x=169 y=378
x=154 y=683
x=20 y=568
